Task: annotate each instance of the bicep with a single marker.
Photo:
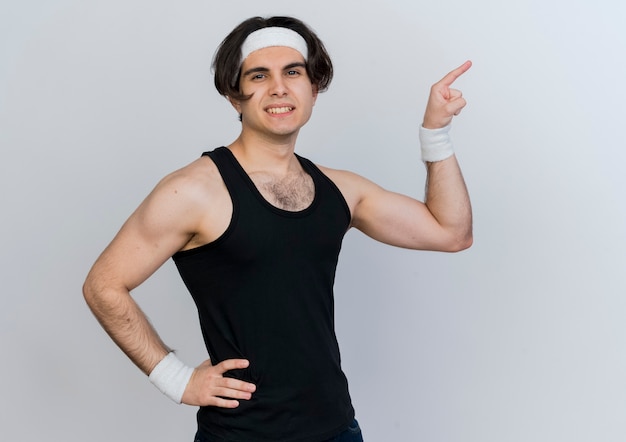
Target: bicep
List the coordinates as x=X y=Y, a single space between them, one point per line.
x=390 y=217
x=397 y=219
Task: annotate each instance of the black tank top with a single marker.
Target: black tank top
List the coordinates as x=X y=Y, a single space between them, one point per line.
x=264 y=292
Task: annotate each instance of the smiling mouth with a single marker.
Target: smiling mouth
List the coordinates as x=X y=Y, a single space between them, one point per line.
x=279 y=110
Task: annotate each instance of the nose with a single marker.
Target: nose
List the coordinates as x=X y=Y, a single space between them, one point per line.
x=278 y=87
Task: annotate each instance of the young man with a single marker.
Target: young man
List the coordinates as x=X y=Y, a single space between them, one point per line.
x=255 y=231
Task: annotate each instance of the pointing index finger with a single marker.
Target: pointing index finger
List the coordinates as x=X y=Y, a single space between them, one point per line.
x=456 y=73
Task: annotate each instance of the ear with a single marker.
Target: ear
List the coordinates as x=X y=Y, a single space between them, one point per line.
x=316 y=91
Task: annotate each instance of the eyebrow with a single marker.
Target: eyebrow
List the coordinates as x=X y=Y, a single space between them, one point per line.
x=264 y=69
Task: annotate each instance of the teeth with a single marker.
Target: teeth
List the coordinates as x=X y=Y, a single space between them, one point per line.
x=279 y=110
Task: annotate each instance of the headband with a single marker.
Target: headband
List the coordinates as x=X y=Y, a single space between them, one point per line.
x=274 y=36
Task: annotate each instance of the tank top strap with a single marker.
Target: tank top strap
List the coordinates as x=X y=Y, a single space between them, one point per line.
x=223 y=159
x=238 y=183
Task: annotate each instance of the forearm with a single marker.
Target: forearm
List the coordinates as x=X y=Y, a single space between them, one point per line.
x=448 y=201
x=126 y=324
x=446 y=195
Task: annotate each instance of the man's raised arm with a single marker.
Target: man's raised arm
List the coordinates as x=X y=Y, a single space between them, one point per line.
x=446 y=194
x=444 y=221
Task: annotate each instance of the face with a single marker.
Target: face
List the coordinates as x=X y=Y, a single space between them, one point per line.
x=282 y=96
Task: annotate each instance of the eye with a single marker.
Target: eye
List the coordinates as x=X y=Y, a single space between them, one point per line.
x=293 y=73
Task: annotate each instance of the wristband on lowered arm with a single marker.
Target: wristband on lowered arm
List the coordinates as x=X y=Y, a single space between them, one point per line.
x=436 y=144
x=171 y=377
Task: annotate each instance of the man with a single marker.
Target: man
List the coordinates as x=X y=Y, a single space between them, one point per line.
x=255 y=231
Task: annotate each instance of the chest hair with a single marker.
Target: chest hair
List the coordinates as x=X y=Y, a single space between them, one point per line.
x=292 y=192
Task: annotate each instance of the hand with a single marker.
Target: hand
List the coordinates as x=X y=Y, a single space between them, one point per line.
x=445 y=102
x=208 y=386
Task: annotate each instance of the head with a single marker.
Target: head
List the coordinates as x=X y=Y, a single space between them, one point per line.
x=228 y=58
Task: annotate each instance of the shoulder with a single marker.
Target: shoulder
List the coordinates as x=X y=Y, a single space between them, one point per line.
x=201 y=171
x=345 y=177
x=354 y=187
x=197 y=179
x=181 y=195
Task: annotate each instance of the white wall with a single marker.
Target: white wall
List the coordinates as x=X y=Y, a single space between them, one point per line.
x=520 y=338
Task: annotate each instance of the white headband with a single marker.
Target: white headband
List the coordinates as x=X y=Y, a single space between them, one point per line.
x=268 y=37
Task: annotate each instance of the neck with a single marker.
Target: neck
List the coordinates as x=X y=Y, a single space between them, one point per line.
x=274 y=154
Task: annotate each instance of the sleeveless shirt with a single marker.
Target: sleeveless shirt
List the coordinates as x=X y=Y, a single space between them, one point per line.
x=264 y=292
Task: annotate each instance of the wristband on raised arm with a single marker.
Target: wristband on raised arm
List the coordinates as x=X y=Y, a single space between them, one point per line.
x=436 y=144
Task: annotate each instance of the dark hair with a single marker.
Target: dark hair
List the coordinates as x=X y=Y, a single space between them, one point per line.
x=227 y=63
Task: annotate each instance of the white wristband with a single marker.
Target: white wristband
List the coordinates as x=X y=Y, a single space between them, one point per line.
x=436 y=144
x=171 y=377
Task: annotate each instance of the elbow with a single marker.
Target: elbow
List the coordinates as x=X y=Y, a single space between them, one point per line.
x=460 y=243
x=466 y=243
x=88 y=292
x=94 y=292
x=463 y=237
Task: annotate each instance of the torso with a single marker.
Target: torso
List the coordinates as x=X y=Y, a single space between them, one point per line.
x=245 y=283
